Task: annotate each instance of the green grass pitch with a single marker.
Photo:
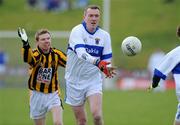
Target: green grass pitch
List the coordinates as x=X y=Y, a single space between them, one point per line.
x=119 y=108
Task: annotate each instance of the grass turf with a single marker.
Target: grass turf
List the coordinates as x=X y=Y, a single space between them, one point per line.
x=119 y=108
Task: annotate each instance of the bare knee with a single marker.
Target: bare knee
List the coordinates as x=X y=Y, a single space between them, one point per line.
x=58 y=122
x=98 y=119
x=176 y=122
x=81 y=121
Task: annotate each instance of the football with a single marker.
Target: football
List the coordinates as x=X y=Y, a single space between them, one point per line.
x=131 y=46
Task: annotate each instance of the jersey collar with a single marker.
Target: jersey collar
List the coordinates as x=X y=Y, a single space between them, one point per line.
x=92 y=33
x=41 y=52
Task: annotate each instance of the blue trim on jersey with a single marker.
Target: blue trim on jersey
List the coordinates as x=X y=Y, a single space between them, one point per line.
x=91 y=49
x=107 y=56
x=159 y=74
x=176 y=69
x=92 y=33
x=79 y=46
x=69 y=47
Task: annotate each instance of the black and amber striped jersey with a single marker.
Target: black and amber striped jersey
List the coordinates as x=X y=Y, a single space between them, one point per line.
x=44 y=74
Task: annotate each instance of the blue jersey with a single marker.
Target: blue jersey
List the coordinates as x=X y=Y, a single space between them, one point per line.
x=84 y=48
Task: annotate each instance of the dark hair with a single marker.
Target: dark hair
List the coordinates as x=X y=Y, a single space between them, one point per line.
x=91 y=7
x=40 y=32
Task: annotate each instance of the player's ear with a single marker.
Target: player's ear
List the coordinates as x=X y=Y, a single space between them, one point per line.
x=36 y=43
x=178 y=31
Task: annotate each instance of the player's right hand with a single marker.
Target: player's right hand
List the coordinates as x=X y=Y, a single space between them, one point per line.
x=22 y=34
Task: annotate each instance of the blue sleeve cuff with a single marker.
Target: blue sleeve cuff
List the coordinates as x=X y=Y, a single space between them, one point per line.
x=159 y=74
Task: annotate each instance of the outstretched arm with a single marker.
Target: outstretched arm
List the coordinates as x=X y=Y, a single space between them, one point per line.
x=22 y=34
x=77 y=44
x=26 y=50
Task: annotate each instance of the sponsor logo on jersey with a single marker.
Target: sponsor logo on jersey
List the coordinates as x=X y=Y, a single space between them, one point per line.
x=92 y=51
x=44 y=75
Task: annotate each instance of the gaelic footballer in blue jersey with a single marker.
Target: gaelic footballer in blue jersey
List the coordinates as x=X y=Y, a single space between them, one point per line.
x=170 y=63
x=89 y=56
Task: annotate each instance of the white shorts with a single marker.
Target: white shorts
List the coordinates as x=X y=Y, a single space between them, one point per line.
x=76 y=94
x=41 y=103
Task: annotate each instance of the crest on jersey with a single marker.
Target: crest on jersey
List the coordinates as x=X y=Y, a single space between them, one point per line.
x=85 y=40
x=97 y=40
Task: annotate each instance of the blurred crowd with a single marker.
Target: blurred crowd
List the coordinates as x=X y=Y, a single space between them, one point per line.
x=3 y=61
x=57 y=5
x=1 y=1
x=3 y=65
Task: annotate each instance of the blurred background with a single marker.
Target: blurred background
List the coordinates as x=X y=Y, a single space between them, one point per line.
x=126 y=101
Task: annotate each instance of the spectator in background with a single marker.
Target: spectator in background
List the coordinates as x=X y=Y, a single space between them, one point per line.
x=1 y=2
x=3 y=61
x=168 y=1
x=57 y=5
x=32 y=3
x=154 y=60
x=53 y=5
x=81 y=3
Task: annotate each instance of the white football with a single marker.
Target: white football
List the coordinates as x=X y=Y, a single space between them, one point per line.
x=131 y=46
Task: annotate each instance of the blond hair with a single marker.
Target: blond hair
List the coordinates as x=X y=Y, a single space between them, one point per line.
x=40 y=32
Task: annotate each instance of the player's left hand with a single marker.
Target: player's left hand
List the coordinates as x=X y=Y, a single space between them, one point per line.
x=22 y=34
x=111 y=71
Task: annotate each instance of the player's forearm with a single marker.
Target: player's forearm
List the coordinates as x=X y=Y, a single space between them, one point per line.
x=28 y=55
x=82 y=54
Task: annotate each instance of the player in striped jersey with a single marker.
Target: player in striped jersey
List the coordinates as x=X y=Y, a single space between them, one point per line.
x=43 y=81
x=89 y=53
x=170 y=63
